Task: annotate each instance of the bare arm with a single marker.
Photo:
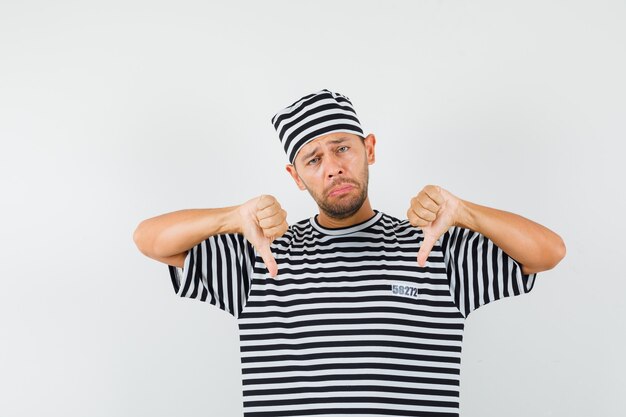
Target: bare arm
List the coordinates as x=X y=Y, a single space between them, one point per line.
x=534 y=246
x=168 y=237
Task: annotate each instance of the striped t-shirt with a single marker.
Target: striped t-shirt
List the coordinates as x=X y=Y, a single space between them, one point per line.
x=351 y=325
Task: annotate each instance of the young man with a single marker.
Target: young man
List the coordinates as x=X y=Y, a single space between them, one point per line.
x=352 y=312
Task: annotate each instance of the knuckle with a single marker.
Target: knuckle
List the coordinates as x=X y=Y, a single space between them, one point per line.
x=267 y=199
x=260 y=202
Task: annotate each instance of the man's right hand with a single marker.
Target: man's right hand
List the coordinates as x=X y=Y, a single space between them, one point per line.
x=262 y=221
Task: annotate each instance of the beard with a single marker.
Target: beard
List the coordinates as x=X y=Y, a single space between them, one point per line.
x=345 y=205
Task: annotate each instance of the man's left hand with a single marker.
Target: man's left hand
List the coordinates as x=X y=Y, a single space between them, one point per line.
x=434 y=210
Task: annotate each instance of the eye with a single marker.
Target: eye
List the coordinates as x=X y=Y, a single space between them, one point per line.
x=312 y=160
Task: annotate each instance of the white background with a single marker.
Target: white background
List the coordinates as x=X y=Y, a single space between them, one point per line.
x=115 y=111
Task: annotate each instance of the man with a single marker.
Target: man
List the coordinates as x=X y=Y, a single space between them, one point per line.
x=336 y=315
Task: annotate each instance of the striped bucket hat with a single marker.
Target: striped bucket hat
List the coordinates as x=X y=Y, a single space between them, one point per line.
x=312 y=116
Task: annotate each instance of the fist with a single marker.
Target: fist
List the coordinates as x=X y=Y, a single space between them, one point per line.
x=434 y=210
x=262 y=221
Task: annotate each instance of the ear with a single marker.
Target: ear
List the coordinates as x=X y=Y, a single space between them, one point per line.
x=370 y=143
x=294 y=174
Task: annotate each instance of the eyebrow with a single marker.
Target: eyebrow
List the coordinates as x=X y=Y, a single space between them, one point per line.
x=332 y=142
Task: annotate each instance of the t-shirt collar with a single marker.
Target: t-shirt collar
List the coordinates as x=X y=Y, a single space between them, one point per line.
x=347 y=229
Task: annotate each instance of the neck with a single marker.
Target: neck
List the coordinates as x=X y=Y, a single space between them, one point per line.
x=362 y=214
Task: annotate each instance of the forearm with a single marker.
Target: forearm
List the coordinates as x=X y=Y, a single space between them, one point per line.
x=172 y=233
x=534 y=246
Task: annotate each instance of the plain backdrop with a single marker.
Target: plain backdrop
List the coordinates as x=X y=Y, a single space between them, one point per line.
x=112 y=112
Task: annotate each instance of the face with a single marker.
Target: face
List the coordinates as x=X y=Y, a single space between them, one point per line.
x=329 y=161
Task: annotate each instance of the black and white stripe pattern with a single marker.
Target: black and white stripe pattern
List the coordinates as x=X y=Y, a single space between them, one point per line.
x=312 y=116
x=479 y=271
x=352 y=325
x=218 y=271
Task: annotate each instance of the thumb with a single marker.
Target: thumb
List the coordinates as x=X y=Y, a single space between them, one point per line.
x=425 y=248
x=268 y=258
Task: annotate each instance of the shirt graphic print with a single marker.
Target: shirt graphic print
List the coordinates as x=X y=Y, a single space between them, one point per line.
x=351 y=325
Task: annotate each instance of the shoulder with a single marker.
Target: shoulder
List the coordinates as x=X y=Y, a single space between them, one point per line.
x=298 y=231
x=390 y=222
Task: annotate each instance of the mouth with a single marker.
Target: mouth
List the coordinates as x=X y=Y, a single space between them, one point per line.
x=344 y=188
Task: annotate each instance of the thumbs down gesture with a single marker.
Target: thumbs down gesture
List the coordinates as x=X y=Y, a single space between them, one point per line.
x=434 y=210
x=263 y=220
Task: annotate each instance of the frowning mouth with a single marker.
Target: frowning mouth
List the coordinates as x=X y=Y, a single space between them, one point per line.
x=341 y=189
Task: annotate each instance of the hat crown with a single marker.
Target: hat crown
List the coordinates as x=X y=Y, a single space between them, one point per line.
x=312 y=116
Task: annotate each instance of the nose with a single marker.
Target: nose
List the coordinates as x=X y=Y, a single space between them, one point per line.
x=333 y=167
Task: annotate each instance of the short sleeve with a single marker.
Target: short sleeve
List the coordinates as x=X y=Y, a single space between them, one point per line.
x=479 y=272
x=218 y=271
